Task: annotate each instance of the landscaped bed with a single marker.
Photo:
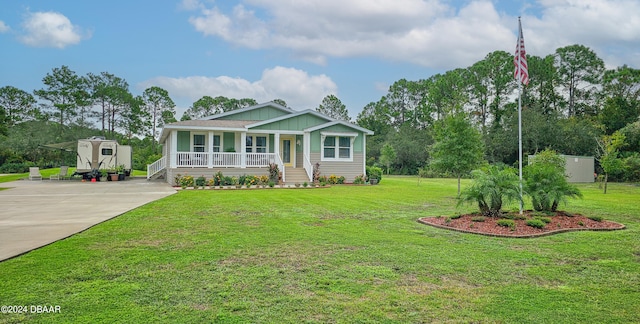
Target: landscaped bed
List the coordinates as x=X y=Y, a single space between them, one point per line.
x=514 y=225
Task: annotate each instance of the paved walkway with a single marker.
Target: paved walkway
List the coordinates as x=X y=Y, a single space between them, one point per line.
x=36 y=213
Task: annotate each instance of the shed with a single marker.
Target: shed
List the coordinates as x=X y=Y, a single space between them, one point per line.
x=580 y=168
x=577 y=168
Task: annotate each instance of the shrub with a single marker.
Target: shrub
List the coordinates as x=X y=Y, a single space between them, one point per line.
x=227 y=181
x=341 y=180
x=305 y=184
x=491 y=187
x=264 y=180
x=536 y=223
x=595 y=218
x=316 y=172
x=176 y=179
x=15 y=167
x=218 y=179
x=507 y=223
x=271 y=184
x=323 y=178
x=545 y=220
x=186 y=181
x=333 y=179
x=274 y=172
x=359 y=179
x=242 y=180
x=200 y=181
x=478 y=219
x=374 y=172
x=546 y=183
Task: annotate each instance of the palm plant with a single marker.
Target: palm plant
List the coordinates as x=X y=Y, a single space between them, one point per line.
x=492 y=186
x=546 y=183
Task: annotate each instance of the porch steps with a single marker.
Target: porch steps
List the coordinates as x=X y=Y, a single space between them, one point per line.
x=295 y=175
x=162 y=174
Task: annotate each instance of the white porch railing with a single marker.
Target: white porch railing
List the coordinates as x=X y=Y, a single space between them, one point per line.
x=224 y=160
x=308 y=167
x=156 y=167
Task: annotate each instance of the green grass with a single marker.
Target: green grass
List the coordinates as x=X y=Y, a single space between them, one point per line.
x=46 y=173
x=342 y=254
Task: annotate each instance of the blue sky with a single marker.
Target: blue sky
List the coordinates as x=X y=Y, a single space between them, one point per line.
x=296 y=50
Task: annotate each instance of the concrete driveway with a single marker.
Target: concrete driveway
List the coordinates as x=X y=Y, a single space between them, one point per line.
x=36 y=213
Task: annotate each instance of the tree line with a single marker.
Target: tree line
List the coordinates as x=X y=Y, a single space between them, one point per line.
x=572 y=105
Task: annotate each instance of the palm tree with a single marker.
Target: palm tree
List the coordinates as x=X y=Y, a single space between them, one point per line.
x=491 y=187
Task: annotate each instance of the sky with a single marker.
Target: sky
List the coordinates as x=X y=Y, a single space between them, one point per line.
x=296 y=50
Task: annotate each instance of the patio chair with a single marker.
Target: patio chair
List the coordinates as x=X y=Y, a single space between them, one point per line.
x=34 y=173
x=62 y=175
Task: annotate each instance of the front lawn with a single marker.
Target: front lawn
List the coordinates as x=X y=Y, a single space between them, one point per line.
x=342 y=254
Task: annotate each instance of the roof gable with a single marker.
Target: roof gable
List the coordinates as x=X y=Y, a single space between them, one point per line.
x=339 y=122
x=262 y=111
x=297 y=121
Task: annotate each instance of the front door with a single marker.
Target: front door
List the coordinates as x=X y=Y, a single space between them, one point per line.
x=287 y=150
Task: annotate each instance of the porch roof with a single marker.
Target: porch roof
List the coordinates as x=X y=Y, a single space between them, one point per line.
x=198 y=124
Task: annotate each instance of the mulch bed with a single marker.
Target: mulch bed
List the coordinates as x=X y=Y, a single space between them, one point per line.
x=561 y=222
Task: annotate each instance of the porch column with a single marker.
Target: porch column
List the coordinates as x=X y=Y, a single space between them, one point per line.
x=276 y=144
x=306 y=142
x=243 y=150
x=174 y=149
x=209 y=150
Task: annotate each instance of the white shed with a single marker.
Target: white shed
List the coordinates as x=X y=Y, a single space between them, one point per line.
x=580 y=168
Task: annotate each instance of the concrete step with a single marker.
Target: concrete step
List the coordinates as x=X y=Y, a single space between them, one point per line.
x=296 y=175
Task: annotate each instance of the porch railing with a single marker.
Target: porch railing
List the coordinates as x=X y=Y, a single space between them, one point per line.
x=281 y=167
x=156 y=167
x=224 y=159
x=308 y=167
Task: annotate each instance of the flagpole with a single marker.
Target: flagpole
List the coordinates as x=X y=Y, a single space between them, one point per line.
x=520 y=139
x=519 y=57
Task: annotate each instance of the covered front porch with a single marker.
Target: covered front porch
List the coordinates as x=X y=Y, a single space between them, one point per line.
x=236 y=151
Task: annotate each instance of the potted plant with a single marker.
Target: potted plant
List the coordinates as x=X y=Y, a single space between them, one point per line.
x=120 y=172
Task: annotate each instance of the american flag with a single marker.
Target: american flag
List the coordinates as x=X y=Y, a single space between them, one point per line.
x=521 y=72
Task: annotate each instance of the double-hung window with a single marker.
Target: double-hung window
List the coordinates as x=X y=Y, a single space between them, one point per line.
x=198 y=142
x=257 y=144
x=216 y=143
x=337 y=147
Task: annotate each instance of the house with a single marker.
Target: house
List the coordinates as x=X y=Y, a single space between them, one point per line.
x=247 y=140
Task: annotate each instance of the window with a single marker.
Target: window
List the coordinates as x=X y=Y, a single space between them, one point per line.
x=198 y=143
x=337 y=148
x=330 y=147
x=107 y=151
x=261 y=144
x=257 y=144
x=216 y=143
x=345 y=148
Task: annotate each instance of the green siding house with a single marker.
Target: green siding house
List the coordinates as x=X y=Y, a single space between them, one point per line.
x=246 y=141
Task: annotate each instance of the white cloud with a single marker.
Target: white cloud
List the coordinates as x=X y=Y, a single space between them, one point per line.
x=430 y=33
x=609 y=27
x=50 y=29
x=3 y=27
x=299 y=89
